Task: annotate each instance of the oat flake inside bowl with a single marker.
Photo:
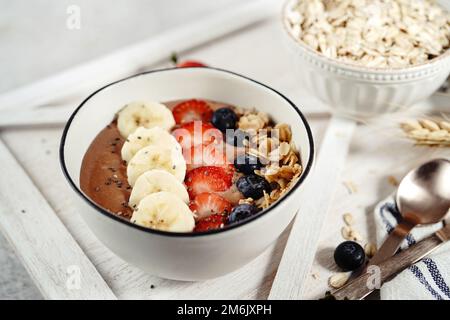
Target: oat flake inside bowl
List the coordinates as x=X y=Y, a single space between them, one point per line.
x=371 y=33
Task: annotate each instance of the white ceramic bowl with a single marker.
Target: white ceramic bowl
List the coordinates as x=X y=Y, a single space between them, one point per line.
x=362 y=91
x=183 y=256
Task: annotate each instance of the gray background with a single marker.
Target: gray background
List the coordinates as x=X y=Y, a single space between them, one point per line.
x=35 y=42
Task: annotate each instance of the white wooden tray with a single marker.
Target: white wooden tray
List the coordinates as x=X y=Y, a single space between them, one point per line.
x=38 y=217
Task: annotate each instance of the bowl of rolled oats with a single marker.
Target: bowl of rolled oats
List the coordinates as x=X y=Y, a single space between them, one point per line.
x=367 y=57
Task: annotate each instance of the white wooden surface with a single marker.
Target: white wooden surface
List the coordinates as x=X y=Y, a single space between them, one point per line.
x=304 y=238
x=49 y=252
x=374 y=155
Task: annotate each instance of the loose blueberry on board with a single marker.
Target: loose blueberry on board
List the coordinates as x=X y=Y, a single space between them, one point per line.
x=247 y=163
x=349 y=255
x=252 y=186
x=224 y=118
x=242 y=212
x=236 y=137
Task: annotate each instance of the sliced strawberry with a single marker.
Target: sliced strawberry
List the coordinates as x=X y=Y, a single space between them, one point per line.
x=207 y=155
x=192 y=110
x=212 y=222
x=190 y=63
x=197 y=132
x=206 y=204
x=207 y=179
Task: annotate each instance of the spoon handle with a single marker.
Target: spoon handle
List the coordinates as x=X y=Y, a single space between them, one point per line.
x=392 y=243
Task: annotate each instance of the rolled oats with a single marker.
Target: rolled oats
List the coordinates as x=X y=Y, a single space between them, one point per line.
x=393 y=181
x=280 y=152
x=374 y=33
x=253 y=121
x=348 y=219
x=283 y=132
x=283 y=177
x=292 y=157
x=246 y=201
x=274 y=173
x=355 y=235
x=351 y=187
x=274 y=148
x=370 y=249
x=338 y=280
x=346 y=232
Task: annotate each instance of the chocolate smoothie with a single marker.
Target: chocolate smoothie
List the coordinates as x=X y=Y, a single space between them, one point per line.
x=103 y=175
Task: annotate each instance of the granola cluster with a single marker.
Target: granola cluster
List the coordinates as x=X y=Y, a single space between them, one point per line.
x=253 y=121
x=274 y=147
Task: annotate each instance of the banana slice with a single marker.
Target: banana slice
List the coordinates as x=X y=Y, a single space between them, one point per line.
x=153 y=157
x=143 y=114
x=143 y=137
x=164 y=211
x=155 y=181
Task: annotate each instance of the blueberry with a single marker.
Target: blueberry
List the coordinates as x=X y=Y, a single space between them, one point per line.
x=247 y=164
x=242 y=212
x=224 y=118
x=349 y=256
x=252 y=186
x=236 y=137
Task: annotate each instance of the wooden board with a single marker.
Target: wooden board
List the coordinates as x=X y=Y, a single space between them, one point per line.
x=126 y=281
x=43 y=243
x=368 y=166
x=302 y=245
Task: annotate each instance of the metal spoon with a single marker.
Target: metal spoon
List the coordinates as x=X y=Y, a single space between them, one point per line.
x=423 y=197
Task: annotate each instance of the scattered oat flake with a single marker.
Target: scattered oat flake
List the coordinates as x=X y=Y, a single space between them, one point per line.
x=282 y=171
x=338 y=280
x=351 y=187
x=393 y=181
x=355 y=235
x=370 y=249
x=346 y=232
x=349 y=233
x=252 y=120
x=348 y=219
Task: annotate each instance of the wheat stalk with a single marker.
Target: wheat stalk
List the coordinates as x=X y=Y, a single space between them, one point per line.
x=432 y=132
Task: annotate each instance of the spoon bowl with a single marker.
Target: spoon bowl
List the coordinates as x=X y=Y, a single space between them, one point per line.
x=423 y=197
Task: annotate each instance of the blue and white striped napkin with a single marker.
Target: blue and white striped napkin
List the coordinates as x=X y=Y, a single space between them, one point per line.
x=428 y=279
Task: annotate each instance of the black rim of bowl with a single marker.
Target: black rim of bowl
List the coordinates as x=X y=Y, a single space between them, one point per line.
x=306 y=168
